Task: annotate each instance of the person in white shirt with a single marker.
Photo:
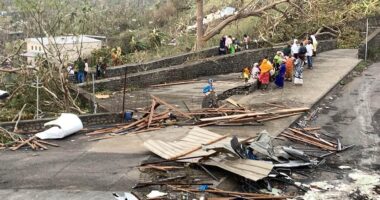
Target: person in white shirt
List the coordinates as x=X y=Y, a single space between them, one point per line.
x=228 y=42
x=295 y=48
x=309 y=54
x=86 y=69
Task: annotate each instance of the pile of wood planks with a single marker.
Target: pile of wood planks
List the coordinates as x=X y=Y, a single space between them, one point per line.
x=150 y=121
x=308 y=136
x=13 y=141
x=244 y=117
x=223 y=116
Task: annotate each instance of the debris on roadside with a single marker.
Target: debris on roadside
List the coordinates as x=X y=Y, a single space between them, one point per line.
x=156 y=117
x=13 y=141
x=63 y=126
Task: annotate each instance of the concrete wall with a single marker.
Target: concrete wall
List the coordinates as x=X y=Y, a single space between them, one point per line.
x=205 y=67
x=373 y=47
x=361 y=25
x=161 y=63
x=87 y=120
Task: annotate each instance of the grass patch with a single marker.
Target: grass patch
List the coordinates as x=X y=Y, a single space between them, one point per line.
x=362 y=66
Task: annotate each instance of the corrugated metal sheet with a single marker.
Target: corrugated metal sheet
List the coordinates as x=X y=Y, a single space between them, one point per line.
x=195 y=138
x=251 y=169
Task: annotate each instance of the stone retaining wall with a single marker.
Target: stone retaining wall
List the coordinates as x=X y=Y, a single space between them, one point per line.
x=373 y=47
x=161 y=63
x=205 y=67
x=87 y=120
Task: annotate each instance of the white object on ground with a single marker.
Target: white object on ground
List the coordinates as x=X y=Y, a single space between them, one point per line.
x=155 y=194
x=3 y=94
x=344 y=167
x=63 y=126
x=127 y=196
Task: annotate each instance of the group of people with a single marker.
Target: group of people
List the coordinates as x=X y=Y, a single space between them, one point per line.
x=230 y=45
x=78 y=71
x=287 y=65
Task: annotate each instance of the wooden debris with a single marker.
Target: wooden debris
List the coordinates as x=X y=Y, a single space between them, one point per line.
x=233 y=102
x=197 y=148
x=161 y=168
x=294 y=134
x=175 y=83
x=171 y=107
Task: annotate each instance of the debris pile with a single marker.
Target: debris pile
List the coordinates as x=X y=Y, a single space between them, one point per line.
x=152 y=119
x=311 y=137
x=13 y=141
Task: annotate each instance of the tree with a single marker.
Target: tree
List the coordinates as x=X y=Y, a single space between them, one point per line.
x=286 y=19
x=252 y=8
x=48 y=19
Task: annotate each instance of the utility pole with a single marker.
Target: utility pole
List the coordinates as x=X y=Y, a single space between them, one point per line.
x=38 y=97
x=93 y=92
x=125 y=87
x=366 y=42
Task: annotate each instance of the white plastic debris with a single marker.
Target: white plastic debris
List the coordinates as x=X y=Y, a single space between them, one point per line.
x=344 y=167
x=127 y=196
x=155 y=194
x=3 y=94
x=65 y=125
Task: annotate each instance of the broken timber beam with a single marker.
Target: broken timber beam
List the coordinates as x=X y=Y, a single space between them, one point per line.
x=197 y=148
x=170 y=106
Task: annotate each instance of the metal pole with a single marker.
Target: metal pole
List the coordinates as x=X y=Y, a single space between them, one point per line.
x=93 y=92
x=125 y=86
x=38 y=98
x=366 y=43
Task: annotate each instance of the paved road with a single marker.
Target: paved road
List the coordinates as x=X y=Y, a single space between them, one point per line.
x=354 y=114
x=108 y=165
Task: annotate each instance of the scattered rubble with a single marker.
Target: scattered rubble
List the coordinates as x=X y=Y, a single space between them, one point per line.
x=13 y=141
x=152 y=119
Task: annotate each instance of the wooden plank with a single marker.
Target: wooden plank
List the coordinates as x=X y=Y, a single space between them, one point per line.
x=40 y=145
x=277 y=117
x=233 y=102
x=151 y=112
x=48 y=143
x=310 y=128
x=291 y=110
x=23 y=143
x=197 y=148
x=174 y=83
x=171 y=107
x=311 y=137
x=300 y=139
x=232 y=116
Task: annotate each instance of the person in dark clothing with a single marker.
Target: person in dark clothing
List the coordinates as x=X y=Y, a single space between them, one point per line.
x=302 y=52
x=222 y=46
x=287 y=50
x=98 y=70
x=80 y=65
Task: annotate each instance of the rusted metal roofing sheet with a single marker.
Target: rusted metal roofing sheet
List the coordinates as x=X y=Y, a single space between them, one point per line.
x=250 y=169
x=194 y=139
x=197 y=137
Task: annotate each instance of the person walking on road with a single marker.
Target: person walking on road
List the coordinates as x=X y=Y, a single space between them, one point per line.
x=280 y=78
x=289 y=69
x=309 y=55
x=298 y=75
x=295 y=48
x=264 y=77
